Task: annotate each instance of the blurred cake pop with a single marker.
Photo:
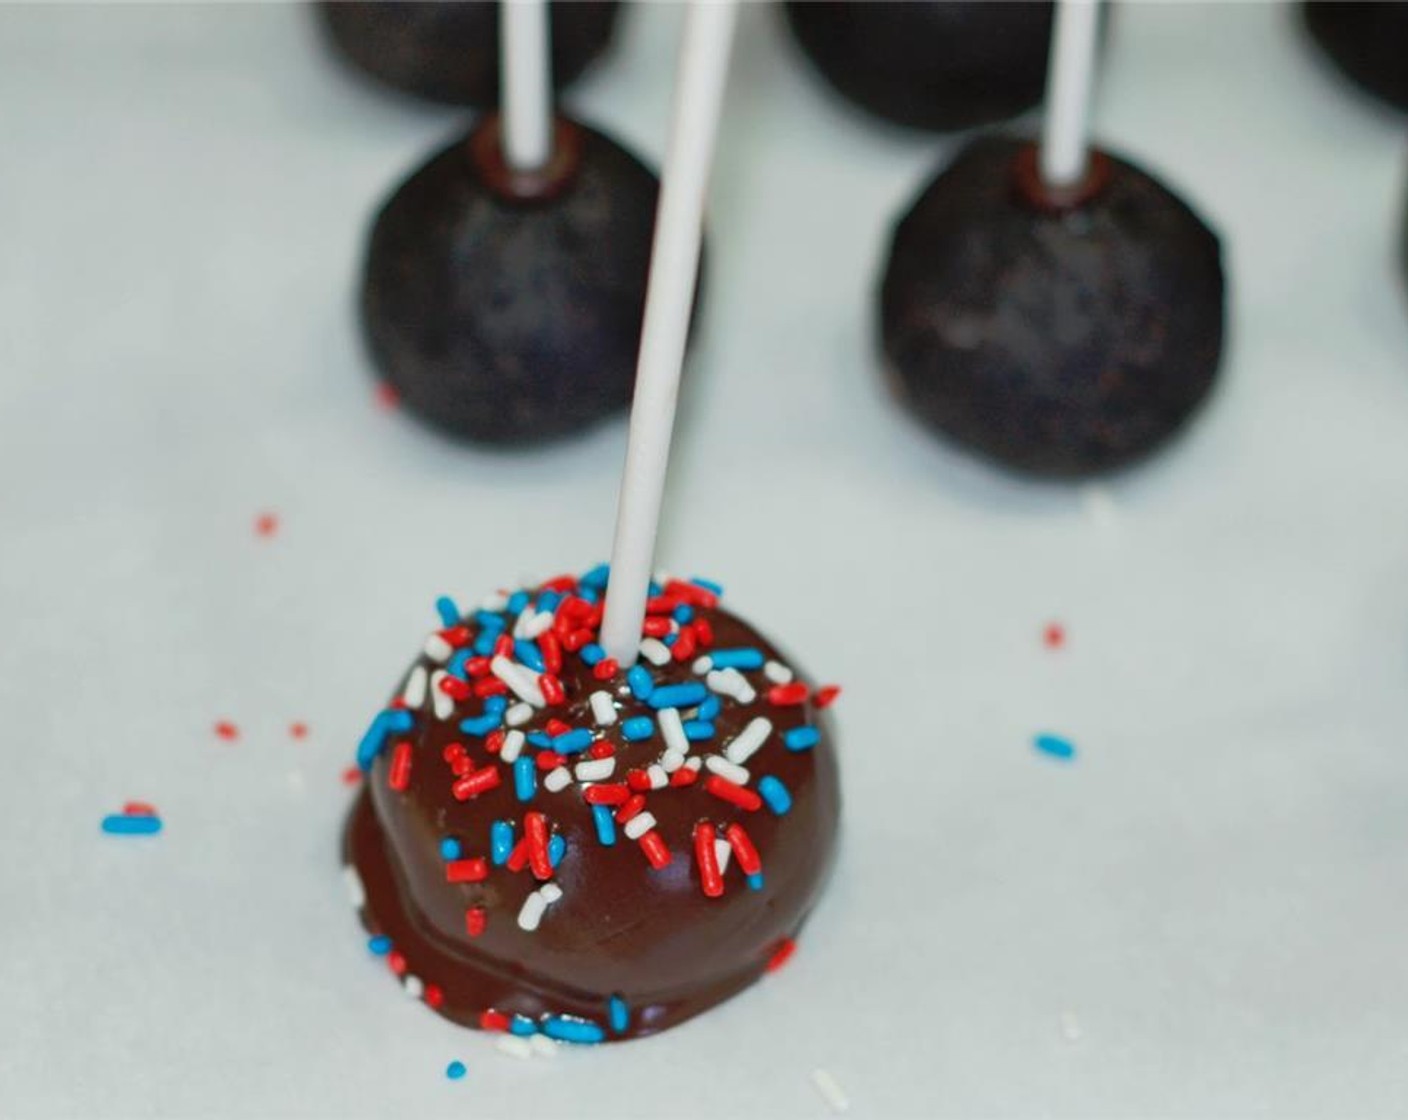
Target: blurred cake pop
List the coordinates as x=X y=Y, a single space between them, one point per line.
x=1367 y=42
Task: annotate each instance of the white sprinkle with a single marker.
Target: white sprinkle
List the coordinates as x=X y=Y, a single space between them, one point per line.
x=520 y=678
x=595 y=770
x=355 y=892
x=414 y=695
x=777 y=672
x=671 y=761
x=730 y=682
x=518 y=714
x=493 y=603
x=543 y=1045
x=551 y=892
x=658 y=778
x=695 y=763
x=513 y=744
x=830 y=1090
x=532 y=912
x=603 y=708
x=640 y=824
x=655 y=651
x=1070 y=1027
x=747 y=742
x=722 y=851
x=726 y=769
x=515 y=1046
x=438 y=649
x=537 y=624
x=415 y=987
x=702 y=665
x=558 y=779
x=520 y=624
x=441 y=702
x=672 y=728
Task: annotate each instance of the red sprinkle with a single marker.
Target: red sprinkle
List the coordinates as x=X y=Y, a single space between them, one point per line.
x=352 y=775
x=606 y=793
x=601 y=749
x=227 y=731
x=434 y=995
x=788 y=695
x=138 y=809
x=472 y=785
x=535 y=828
x=638 y=780
x=655 y=850
x=556 y=727
x=396 y=961
x=709 y=878
x=474 y=870
x=477 y=667
x=398 y=774
x=725 y=790
x=474 y=919
x=387 y=396
x=453 y=751
x=561 y=584
x=684 y=647
x=1054 y=636
x=630 y=809
x=606 y=668
x=518 y=858
x=703 y=631
x=684 y=776
x=576 y=639
x=457 y=636
x=494 y=741
x=493 y=1021
x=503 y=647
x=551 y=649
x=551 y=688
x=661 y=604
x=549 y=760
x=657 y=626
x=692 y=593
x=782 y=954
x=743 y=849
x=461 y=765
x=266 y=524
x=455 y=688
x=826 y=695
x=298 y=730
x=489 y=686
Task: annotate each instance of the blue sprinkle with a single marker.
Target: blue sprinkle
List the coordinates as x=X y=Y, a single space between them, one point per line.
x=388 y=722
x=501 y=837
x=696 y=729
x=456 y=667
x=455 y=1070
x=1055 y=746
x=637 y=728
x=710 y=708
x=539 y=739
x=589 y=594
x=745 y=658
x=571 y=742
x=775 y=794
x=592 y=653
x=549 y=600
x=708 y=585
x=597 y=577
x=527 y=652
x=755 y=881
x=136 y=824
x=683 y=613
x=516 y=602
x=496 y=705
x=605 y=826
x=801 y=738
x=557 y=848
x=380 y=944
x=655 y=590
x=620 y=1014
x=641 y=682
x=522 y=1026
x=565 y=1028
x=671 y=638
x=490 y=621
x=480 y=726
x=450 y=848
x=684 y=695
x=525 y=778
x=484 y=644
x=449 y=613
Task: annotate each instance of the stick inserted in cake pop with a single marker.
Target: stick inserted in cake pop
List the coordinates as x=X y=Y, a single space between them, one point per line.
x=1070 y=77
x=674 y=262
x=526 y=84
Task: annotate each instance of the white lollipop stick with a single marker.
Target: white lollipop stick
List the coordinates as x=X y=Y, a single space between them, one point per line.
x=669 y=297
x=1065 y=133
x=525 y=84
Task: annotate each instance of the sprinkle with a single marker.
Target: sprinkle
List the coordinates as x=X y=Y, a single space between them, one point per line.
x=450 y=848
x=415 y=987
x=351 y=775
x=709 y=709
x=553 y=692
x=551 y=892
x=715 y=589
x=1055 y=746
x=557 y=848
x=826 y=695
x=438 y=649
x=640 y=681
x=744 y=849
x=474 y=870
x=398 y=774
x=597 y=577
x=518 y=714
x=266 y=524
x=380 y=945
x=684 y=776
x=525 y=778
x=726 y=769
x=654 y=651
x=392 y=721
x=731 y=682
x=570 y=742
x=472 y=785
x=593 y=654
x=527 y=652
x=387 y=396
x=413 y=696
x=558 y=779
x=523 y=1027
x=678 y=695
x=638 y=780
x=746 y=658
x=702 y=665
x=1054 y=636
x=775 y=794
x=138 y=809
x=637 y=728
x=725 y=790
x=697 y=729
x=613 y=793
x=755 y=882
x=524 y=682
x=801 y=738
x=830 y=1091
x=566 y=1028
x=630 y=809
x=710 y=879
x=518 y=858
x=722 y=854
x=535 y=828
x=787 y=695
x=513 y=746
x=480 y=726
x=493 y=1021
x=515 y=1047
x=782 y=954
x=747 y=742
x=396 y=961
x=449 y=613
x=596 y=770
x=671 y=761
x=441 y=702
x=655 y=850
x=226 y=730
x=531 y=913
x=603 y=708
x=455 y=1070
x=434 y=995
x=618 y=1014
x=694 y=764
x=356 y=894
x=136 y=824
x=777 y=672
x=658 y=778
x=500 y=842
x=475 y=919
x=605 y=826
x=639 y=825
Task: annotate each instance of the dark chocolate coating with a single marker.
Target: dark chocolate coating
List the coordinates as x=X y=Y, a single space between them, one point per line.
x=932 y=64
x=449 y=52
x=620 y=928
x=1367 y=42
x=1062 y=343
x=505 y=321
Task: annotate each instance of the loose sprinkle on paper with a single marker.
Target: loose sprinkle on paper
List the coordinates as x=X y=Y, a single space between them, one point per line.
x=266 y=524
x=1054 y=636
x=352 y=775
x=298 y=730
x=830 y=1090
x=143 y=822
x=387 y=398
x=227 y=731
x=1055 y=746
x=455 y=1070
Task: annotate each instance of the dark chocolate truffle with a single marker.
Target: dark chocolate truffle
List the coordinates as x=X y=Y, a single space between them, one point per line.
x=546 y=844
x=449 y=52
x=1057 y=336
x=1367 y=42
x=933 y=64
x=507 y=309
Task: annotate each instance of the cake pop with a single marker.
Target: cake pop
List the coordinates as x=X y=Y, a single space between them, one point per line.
x=932 y=64
x=1367 y=42
x=449 y=52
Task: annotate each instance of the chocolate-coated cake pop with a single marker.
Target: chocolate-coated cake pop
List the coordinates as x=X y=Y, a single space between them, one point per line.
x=506 y=308
x=934 y=64
x=547 y=844
x=1367 y=42
x=449 y=52
x=1057 y=334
